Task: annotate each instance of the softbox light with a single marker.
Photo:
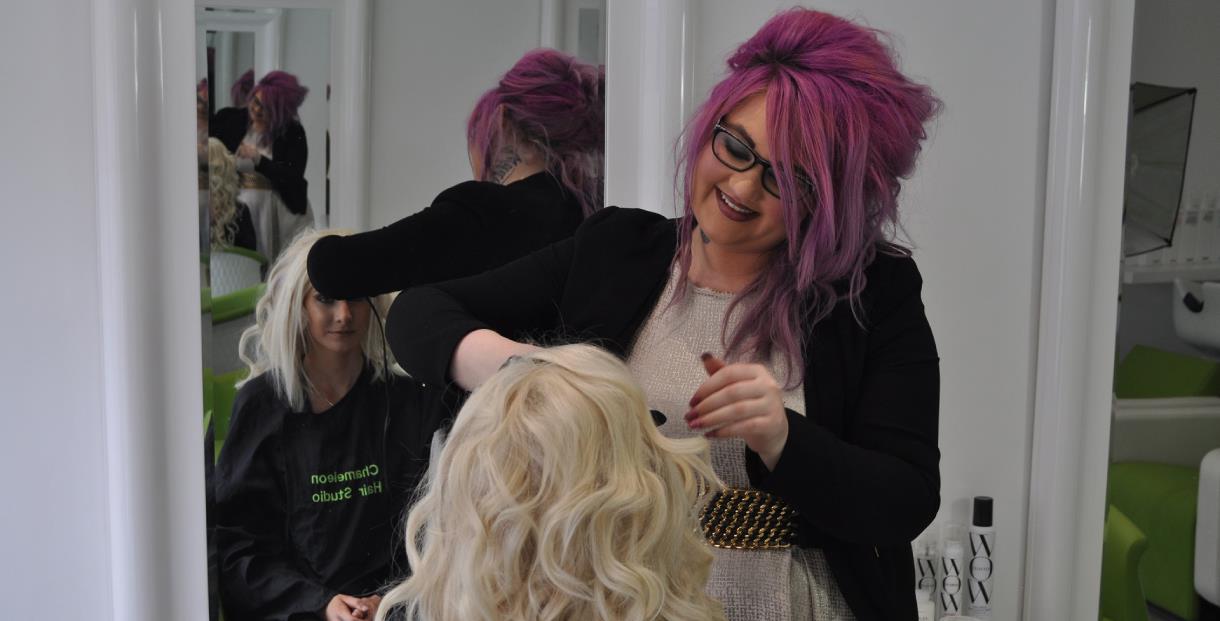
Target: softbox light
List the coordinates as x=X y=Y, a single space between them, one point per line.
x=1158 y=137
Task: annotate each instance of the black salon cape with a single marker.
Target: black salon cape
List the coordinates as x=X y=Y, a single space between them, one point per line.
x=310 y=505
x=470 y=227
x=862 y=468
x=285 y=169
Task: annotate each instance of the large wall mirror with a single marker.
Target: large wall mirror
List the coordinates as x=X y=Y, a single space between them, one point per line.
x=372 y=99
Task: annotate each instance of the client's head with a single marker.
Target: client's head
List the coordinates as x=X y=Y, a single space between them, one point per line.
x=287 y=328
x=555 y=497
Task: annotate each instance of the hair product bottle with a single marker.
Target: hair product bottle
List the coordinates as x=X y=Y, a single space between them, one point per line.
x=925 y=564
x=949 y=572
x=981 y=568
x=925 y=606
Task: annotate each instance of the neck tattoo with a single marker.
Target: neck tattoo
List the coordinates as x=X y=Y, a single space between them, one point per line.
x=704 y=237
x=504 y=166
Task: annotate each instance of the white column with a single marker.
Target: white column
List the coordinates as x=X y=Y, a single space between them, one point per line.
x=648 y=80
x=1078 y=315
x=148 y=266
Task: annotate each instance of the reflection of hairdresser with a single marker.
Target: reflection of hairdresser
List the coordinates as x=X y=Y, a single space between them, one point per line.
x=267 y=135
x=269 y=142
x=230 y=223
x=555 y=497
x=783 y=264
x=315 y=471
x=239 y=92
x=536 y=143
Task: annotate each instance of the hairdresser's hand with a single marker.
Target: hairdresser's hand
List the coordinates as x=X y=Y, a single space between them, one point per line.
x=741 y=401
x=351 y=608
x=247 y=151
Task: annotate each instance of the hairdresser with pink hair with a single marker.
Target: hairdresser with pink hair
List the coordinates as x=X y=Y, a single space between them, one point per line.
x=536 y=141
x=776 y=315
x=266 y=137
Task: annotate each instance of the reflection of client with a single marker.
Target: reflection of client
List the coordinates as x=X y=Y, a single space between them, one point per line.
x=269 y=142
x=323 y=447
x=535 y=143
x=555 y=497
x=230 y=223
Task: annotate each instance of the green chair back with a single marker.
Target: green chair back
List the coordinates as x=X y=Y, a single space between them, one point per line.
x=1148 y=373
x=1123 y=546
x=237 y=304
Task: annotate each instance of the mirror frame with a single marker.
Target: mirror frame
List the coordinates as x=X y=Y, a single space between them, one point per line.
x=350 y=67
x=267 y=29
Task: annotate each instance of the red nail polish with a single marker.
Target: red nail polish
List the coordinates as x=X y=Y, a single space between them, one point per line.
x=694 y=423
x=705 y=355
x=694 y=401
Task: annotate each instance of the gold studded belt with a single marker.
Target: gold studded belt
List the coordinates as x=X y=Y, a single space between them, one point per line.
x=748 y=519
x=256 y=181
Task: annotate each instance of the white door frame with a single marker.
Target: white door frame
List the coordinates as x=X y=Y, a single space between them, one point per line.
x=266 y=26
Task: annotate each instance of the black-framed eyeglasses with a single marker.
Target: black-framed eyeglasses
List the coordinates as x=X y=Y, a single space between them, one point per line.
x=733 y=152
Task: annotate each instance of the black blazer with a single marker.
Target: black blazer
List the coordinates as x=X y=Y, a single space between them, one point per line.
x=862 y=468
x=469 y=228
x=286 y=171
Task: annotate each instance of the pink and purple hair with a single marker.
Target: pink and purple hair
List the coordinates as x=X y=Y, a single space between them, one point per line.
x=841 y=114
x=281 y=94
x=555 y=104
x=240 y=91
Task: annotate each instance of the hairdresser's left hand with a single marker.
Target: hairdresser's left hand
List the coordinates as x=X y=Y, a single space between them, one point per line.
x=741 y=401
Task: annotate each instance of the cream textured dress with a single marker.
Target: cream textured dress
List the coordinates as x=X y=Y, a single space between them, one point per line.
x=753 y=585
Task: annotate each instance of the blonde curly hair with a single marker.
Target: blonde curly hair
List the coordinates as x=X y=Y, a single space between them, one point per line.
x=222 y=194
x=556 y=498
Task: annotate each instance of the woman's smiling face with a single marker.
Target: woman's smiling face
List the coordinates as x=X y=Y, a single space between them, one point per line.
x=732 y=208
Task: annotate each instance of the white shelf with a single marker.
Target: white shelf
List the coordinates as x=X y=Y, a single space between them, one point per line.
x=1166 y=272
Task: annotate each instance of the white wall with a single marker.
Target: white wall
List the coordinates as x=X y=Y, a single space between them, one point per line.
x=431 y=61
x=306 y=53
x=53 y=527
x=974 y=212
x=1176 y=45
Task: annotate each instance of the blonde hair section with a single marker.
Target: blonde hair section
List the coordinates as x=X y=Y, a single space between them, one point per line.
x=277 y=342
x=222 y=194
x=556 y=498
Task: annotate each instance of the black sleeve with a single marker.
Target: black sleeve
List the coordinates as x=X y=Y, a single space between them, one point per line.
x=286 y=168
x=458 y=235
x=258 y=579
x=518 y=300
x=883 y=488
x=229 y=126
x=245 y=236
